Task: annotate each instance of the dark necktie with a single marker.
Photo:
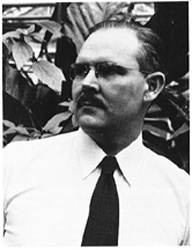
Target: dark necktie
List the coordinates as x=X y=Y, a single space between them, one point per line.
x=103 y=222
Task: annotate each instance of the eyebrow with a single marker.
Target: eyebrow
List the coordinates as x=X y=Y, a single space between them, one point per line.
x=84 y=59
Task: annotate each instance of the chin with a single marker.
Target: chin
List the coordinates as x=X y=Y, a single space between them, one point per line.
x=90 y=123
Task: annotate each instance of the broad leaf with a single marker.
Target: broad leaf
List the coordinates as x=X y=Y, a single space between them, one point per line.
x=52 y=125
x=28 y=31
x=37 y=37
x=9 y=131
x=22 y=52
x=22 y=130
x=49 y=74
x=51 y=26
x=68 y=104
x=83 y=16
x=13 y=129
x=118 y=11
x=11 y=34
x=20 y=137
x=8 y=39
x=31 y=29
x=8 y=124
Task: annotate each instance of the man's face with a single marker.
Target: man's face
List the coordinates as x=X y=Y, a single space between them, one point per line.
x=113 y=102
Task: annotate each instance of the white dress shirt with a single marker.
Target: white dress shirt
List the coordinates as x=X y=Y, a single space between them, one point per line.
x=48 y=185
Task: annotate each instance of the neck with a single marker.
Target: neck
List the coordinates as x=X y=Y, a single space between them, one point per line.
x=114 y=141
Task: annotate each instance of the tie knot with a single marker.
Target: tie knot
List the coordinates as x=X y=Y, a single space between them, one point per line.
x=108 y=164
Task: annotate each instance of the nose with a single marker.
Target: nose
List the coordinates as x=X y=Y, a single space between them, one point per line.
x=90 y=81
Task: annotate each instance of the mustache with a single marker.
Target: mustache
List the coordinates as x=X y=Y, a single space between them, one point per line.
x=90 y=99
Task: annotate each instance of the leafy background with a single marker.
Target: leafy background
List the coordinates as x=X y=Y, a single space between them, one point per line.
x=36 y=59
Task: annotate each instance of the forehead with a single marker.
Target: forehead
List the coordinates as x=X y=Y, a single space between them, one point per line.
x=117 y=45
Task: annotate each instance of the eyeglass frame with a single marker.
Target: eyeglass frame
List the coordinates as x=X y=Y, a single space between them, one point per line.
x=117 y=67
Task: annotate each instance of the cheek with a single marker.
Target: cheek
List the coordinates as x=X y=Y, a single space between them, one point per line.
x=125 y=99
x=135 y=92
x=125 y=92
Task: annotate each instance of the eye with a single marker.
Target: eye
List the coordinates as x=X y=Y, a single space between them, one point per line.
x=78 y=70
x=121 y=70
x=106 y=69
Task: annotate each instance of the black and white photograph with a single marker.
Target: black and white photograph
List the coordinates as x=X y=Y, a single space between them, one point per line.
x=95 y=124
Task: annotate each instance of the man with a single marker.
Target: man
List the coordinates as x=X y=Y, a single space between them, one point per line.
x=50 y=183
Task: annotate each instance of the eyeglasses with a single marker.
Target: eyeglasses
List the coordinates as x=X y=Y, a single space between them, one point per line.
x=105 y=70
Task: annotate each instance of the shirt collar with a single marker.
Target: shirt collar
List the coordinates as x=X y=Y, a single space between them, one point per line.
x=131 y=162
x=90 y=155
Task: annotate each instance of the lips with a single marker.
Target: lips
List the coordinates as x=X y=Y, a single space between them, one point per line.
x=89 y=101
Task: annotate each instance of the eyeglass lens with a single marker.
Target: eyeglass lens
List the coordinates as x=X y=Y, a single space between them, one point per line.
x=104 y=70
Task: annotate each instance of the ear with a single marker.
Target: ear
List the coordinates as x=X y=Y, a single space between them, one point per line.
x=155 y=84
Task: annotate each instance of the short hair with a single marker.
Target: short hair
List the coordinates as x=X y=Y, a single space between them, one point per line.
x=149 y=55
